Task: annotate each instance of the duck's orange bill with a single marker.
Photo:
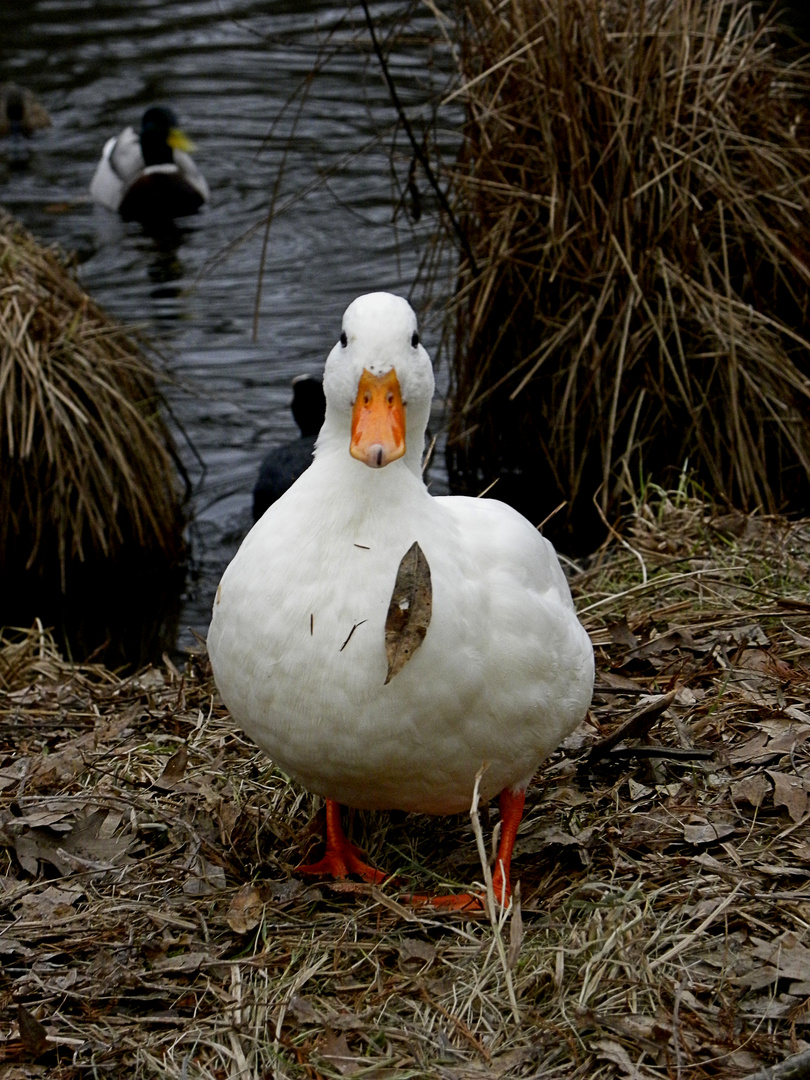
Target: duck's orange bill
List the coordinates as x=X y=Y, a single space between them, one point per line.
x=378 y=420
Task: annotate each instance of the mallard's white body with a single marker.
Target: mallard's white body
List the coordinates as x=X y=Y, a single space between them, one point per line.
x=297 y=643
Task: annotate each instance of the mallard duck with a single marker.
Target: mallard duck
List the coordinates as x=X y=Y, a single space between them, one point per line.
x=150 y=174
x=282 y=465
x=20 y=112
x=298 y=632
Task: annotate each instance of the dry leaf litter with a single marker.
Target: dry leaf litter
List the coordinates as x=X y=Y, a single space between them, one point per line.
x=152 y=924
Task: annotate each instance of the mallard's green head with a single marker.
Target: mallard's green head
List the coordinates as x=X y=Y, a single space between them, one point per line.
x=161 y=135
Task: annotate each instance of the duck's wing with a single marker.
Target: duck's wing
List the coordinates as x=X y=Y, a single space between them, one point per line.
x=501 y=540
x=191 y=174
x=120 y=166
x=520 y=605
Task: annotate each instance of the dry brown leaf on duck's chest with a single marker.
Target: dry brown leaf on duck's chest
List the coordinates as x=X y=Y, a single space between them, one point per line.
x=408 y=615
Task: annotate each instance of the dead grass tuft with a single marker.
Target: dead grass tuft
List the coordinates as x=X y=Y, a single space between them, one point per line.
x=88 y=473
x=151 y=923
x=633 y=191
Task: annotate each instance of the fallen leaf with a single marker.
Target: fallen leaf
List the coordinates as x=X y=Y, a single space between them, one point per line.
x=303 y=1012
x=71 y=759
x=33 y=1035
x=785 y=953
x=615 y=1053
x=583 y=735
x=174 y=769
x=752 y=750
x=86 y=844
x=687 y=695
x=183 y=962
x=246 y=910
x=51 y=905
x=752 y=634
x=335 y=1049
x=764 y=663
x=9 y=884
x=53 y=814
x=800 y=639
x=416 y=949
x=664 y=643
x=789 y=791
x=540 y=839
x=785 y=737
x=783 y=958
x=751 y=789
x=706 y=832
x=347 y=1021
x=652 y=1029
x=409 y=612
x=228 y=814
x=617 y=681
x=621 y=634
x=568 y=796
x=766 y=1007
x=208 y=879
x=11 y=774
x=10 y=946
x=282 y=892
x=638 y=791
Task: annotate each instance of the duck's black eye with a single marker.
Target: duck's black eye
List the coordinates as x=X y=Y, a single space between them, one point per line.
x=344 y=341
x=415 y=339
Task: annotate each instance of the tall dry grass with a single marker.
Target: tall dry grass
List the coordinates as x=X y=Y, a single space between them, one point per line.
x=634 y=187
x=91 y=498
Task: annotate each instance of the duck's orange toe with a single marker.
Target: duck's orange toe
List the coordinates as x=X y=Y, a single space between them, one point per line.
x=341 y=862
x=467 y=902
x=341 y=857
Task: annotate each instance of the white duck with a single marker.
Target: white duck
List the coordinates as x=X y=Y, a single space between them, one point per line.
x=149 y=174
x=297 y=637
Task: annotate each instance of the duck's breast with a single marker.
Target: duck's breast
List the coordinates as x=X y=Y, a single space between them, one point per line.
x=297 y=643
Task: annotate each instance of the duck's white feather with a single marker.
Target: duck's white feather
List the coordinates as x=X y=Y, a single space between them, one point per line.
x=121 y=163
x=297 y=638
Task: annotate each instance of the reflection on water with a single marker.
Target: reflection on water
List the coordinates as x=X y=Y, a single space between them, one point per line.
x=227 y=67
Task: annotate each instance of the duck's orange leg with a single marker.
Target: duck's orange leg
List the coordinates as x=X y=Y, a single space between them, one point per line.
x=341 y=857
x=511 y=805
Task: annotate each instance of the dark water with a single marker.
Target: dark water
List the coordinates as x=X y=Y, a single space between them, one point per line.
x=263 y=88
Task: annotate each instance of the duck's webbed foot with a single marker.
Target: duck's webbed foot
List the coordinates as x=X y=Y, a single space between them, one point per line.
x=341 y=857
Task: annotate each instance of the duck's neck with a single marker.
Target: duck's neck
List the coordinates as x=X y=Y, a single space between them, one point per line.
x=155 y=149
x=358 y=496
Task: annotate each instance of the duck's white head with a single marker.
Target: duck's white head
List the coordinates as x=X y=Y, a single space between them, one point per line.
x=378 y=382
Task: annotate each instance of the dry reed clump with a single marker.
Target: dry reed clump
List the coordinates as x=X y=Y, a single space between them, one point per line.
x=152 y=925
x=634 y=189
x=89 y=479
